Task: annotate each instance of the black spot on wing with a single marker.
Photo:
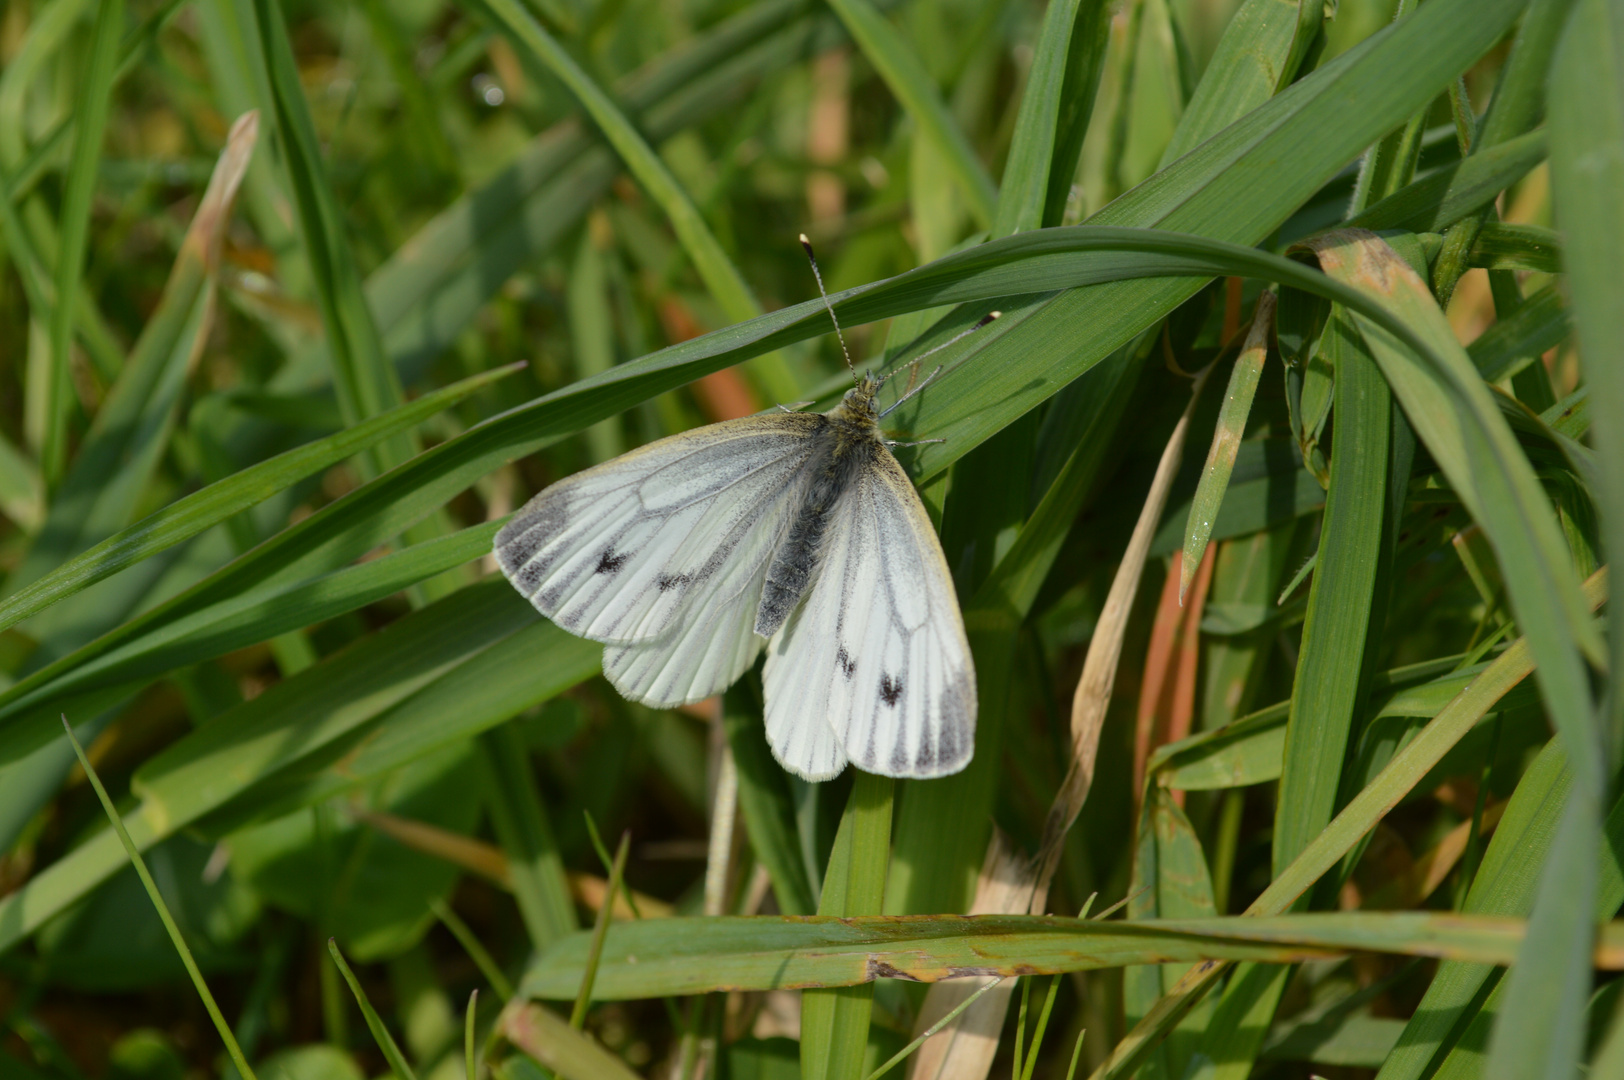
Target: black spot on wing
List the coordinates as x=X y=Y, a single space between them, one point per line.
x=843 y=661
x=610 y=561
x=667 y=582
x=891 y=689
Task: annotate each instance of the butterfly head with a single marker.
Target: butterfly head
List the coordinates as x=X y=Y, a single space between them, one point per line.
x=859 y=400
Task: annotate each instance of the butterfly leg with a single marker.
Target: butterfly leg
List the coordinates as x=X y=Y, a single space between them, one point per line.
x=795 y=406
x=918 y=442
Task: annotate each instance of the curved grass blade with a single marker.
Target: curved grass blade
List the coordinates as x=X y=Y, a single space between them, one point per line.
x=163 y=909
x=186 y=517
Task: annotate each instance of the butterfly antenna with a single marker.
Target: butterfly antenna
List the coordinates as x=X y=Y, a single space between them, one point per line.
x=954 y=340
x=806 y=245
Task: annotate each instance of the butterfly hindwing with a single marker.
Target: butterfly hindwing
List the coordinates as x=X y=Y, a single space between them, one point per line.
x=615 y=553
x=876 y=657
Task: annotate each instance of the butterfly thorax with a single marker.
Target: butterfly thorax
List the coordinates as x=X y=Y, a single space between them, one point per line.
x=844 y=445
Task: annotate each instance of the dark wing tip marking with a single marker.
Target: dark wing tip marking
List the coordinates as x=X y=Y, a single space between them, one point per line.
x=891 y=689
x=611 y=561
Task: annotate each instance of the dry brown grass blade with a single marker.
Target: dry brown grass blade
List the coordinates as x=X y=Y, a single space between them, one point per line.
x=1093 y=695
x=1009 y=883
x=490 y=863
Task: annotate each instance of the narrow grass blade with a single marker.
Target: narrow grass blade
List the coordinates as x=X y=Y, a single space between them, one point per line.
x=78 y=190
x=583 y=999
x=380 y=1033
x=1328 y=689
x=1262 y=46
x=903 y=1054
x=651 y=959
x=1587 y=177
x=365 y=380
x=905 y=76
x=1023 y=194
x=186 y=517
x=526 y=835
x=1226 y=440
x=834 y=1023
x=175 y=936
x=475 y=949
x=768 y=811
x=715 y=269
x=549 y=1041
x=470 y=1062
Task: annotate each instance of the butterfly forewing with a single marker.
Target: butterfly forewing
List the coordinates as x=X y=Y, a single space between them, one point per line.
x=616 y=552
x=876 y=657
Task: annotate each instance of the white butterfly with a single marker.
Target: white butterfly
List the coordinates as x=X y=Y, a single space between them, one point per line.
x=797 y=532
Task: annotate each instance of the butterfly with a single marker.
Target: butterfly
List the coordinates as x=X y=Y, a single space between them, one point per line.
x=791 y=532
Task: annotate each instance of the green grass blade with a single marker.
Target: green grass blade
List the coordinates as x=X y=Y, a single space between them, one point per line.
x=905 y=76
x=1327 y=689
x=1587 y=170
x=365 y=380
x=526 y=835
x=1263 y=44
x=380 y=1033
x=163 y=909
x=768 y=810
x=470 y=1061
x=1540 y=323
x=1226 y=441
x=834 y=1023
x=1441 y=198
x=78 y=189
x=187 y=517
x=583 y=999
x=1069 y=28
x=475 y=949
x=548 y=1040
x=715 y=269
x=772 y=952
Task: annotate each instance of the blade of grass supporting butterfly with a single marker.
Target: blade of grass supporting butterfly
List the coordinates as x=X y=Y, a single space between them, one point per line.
x=163 y=909
x=362 y=375
x=834 y=1023
x=550 y=1041
x=1226 y=441
x=715 y=269
x=905 y=76
x=380 y=1034
x=79 y=188
x=186 y=517
x=378 y=511
x=1360 y=815
x=1587 y=178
